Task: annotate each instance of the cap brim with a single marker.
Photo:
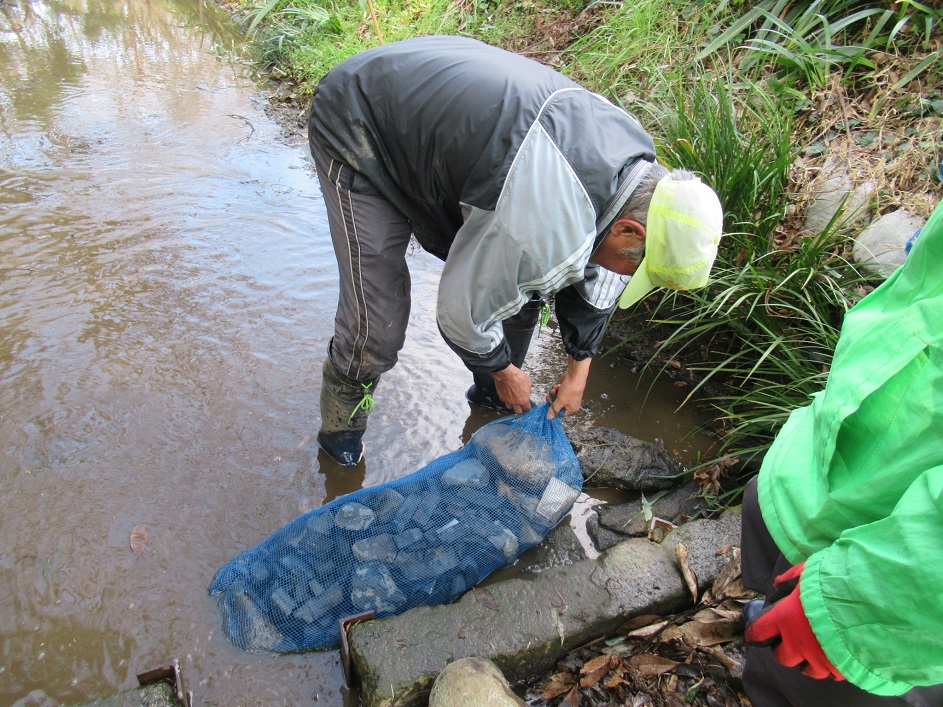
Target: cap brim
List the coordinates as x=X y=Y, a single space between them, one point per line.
x=639 y=285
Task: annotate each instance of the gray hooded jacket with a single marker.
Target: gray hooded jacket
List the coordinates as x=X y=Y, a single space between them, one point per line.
x=506 y=169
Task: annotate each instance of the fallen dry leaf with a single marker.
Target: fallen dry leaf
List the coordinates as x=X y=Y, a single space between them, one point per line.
x=138 y=539
x=690 y=579
x=648 y=665
x=596 y=663
x=638 y=622
x=572 y=699
x=486 y=598
x=647 y=631
x=597 y=668
x=736 y=590
x=557 y=685
x=716 y=614
x=696 y=634
x=726 y=577
x=615 y=680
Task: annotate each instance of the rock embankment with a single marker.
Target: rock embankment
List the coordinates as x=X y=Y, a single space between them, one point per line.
x=525 y=625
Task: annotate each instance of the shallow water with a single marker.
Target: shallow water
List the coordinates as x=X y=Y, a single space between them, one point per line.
x=167 y=290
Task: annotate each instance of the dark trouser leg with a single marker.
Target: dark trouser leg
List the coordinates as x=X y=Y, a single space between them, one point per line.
x=345 y=406
x=767 y=682
x=370 y=238
x=518 y=331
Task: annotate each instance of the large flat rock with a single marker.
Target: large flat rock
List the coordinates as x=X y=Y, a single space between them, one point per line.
x=525 y=625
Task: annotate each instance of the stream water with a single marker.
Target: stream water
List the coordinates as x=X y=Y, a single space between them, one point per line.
x=167 y=291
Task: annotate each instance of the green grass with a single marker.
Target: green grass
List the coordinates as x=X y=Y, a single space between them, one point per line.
x=726 y=89
x=630 y=53
x=805 y=44
x=301 y=39
x=739 y=140
x=765 y=330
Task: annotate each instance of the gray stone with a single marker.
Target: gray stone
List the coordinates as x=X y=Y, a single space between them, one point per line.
x=428 y=503
x=390 y=502
x=441 y=560
x=450 y=532
x=556 y=501
x=354 y=516
x=610 y=458
x=404 y=514
x=259 y=570
x=538 y=618
x=320 y=523
x=630 y=518
x=560 y=547
x=880 y=248
x=372 y=587
x=484 y=499
x=379 y=548
x=246 y=626
x=408 y=538
x=313 y=609
x=505 y=541
x=529 y=536
x=282 y=599
x=838 y=193
x=603 y=538
x=525 y=504
x=468 y=472
x=524 y=458
x=294 y=564
x=472 y=682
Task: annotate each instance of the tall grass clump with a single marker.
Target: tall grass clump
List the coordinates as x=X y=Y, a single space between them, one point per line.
x=766 y=330
x=300 y=40
x=805 y=44
x=766 y=325
x=740 y=141
x=636 y=46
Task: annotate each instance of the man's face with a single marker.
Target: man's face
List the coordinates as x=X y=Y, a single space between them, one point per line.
x=622 y=249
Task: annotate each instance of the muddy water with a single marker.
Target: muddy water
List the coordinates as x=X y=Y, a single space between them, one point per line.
x=166 y=295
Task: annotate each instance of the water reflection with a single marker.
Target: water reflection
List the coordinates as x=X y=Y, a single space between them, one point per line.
x=167 y=291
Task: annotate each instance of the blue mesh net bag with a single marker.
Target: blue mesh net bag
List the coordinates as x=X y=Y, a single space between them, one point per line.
x=423 y=539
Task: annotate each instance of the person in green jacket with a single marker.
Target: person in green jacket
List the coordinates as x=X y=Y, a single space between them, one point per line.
x=843 y=526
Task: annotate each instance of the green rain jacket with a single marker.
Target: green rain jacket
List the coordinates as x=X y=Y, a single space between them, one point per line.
x=853 y=484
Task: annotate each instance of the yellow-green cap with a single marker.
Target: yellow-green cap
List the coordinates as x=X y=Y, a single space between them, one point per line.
x=683 y=231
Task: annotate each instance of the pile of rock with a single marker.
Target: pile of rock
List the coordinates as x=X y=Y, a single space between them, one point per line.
x=423 y=540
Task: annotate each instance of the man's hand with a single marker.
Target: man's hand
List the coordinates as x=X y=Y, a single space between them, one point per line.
x=784 y=626
x=567 y=395
x=513 y=386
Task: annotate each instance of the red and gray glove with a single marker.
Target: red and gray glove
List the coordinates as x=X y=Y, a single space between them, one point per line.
x=783 y=626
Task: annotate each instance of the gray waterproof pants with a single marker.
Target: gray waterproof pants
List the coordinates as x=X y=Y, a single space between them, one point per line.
x=370 y=240
x=768 y=683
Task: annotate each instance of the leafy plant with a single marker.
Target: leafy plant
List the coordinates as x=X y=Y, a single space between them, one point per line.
x=633 y=50
x=812 y=40
x=766 y=330
x=279 y=26
x=740 y=142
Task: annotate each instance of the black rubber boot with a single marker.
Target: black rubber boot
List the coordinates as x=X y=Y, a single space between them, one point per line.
x=518 y=331
x=345 y=406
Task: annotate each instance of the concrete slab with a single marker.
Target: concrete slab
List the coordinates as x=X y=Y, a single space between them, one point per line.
x=525 y=625
x=160 y=694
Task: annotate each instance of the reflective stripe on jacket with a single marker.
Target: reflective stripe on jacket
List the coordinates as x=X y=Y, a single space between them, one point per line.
x=506 y=169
